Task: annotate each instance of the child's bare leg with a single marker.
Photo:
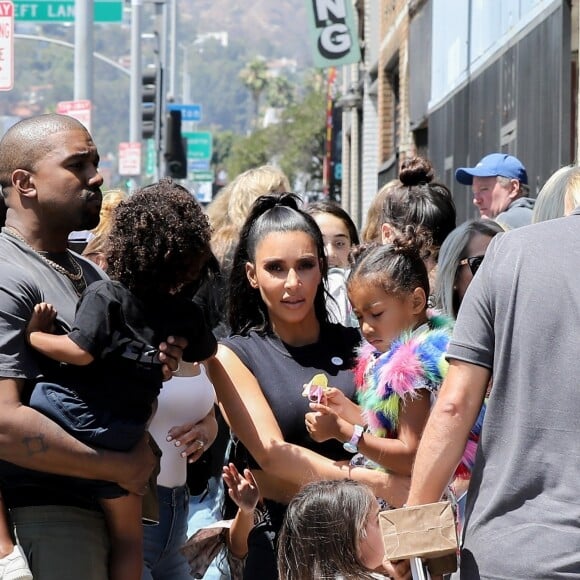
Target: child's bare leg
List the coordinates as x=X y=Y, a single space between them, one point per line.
x=123 y=517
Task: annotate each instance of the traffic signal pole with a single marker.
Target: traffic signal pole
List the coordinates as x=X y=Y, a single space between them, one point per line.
x=136 y=66
x=83 y=60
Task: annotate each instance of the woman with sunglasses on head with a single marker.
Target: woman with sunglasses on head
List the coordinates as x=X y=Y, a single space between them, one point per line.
x=281 y=338
x=460 y=257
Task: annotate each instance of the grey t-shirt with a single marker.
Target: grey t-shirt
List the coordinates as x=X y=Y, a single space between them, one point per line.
x=26 y=280
x=521 y=318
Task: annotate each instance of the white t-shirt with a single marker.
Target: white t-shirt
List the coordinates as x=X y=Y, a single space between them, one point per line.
x=182 y=400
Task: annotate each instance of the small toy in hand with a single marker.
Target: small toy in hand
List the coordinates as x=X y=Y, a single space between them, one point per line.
x=316 y=388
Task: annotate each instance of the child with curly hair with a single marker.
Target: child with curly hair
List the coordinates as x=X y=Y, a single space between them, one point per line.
x=158 y=253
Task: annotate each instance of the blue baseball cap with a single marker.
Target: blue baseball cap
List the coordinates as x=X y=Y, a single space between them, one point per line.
x=493 y=165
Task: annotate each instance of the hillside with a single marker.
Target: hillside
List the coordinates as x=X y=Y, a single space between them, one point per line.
x=276 y=28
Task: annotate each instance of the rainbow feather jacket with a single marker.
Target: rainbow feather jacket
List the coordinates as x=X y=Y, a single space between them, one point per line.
x=415 y=361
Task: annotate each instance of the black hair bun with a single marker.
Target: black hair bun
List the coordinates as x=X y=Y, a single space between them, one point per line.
x=415 y=171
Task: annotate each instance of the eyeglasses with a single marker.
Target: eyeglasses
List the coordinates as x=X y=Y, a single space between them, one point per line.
x=474 y=262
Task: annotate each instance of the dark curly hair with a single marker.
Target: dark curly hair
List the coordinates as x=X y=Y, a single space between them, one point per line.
x=269 y=213
x=160 y=236
x=397 y=266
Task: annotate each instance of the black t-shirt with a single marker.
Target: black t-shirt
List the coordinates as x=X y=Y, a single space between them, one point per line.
x=282 y=370
x=123 y=333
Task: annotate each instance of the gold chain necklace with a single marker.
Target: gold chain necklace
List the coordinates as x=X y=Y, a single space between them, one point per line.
x=77 y=278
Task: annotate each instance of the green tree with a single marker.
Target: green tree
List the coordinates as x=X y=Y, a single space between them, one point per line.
x=254 y=77
x=296 y=143
x=280 y=93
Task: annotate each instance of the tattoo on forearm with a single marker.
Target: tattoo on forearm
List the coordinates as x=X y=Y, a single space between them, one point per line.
x=35 y=445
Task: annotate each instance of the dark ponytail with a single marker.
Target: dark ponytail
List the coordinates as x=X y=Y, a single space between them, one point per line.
x=269 y=213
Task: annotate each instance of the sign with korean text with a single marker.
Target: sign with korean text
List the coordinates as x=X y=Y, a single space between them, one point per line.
x=130 y=158
x=333 y=32
x=79 y=110
x=6 y=45
x=64 y=10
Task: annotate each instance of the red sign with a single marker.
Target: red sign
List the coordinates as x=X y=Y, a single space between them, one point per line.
x=6 y=45
x=80 y=110
x=130 y=158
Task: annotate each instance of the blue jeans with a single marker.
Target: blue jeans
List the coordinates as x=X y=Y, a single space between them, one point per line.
x=161 y=543
x=205 y=509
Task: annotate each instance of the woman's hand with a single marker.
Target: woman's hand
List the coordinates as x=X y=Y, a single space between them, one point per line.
x=170 y=353
x=336 y=400
x=192 y=439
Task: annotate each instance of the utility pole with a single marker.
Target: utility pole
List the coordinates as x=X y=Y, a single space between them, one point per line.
x=172 y=92
x=83 y=62
x=161 y=29
x=136 y=70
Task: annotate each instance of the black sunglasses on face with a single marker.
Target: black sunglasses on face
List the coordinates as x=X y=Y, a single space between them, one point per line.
x=474 y=262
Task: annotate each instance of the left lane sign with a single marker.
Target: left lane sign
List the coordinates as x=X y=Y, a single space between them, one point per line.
x=6 y=45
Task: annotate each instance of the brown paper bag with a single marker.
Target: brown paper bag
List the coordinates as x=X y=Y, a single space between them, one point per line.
x=424 y=531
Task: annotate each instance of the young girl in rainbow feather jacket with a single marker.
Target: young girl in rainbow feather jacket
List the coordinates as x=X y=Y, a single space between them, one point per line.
x=401 y=364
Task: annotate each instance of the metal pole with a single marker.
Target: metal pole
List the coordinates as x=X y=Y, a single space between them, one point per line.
x=83 y=66
x=135 y=96
x=172 y=65
x=161 y=30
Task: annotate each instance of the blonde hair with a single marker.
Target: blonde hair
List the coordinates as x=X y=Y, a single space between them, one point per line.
x=371 y=231
x=229 y=209
x=561 y=190
x=250 y=185
x=95 y=249
x=111 y=199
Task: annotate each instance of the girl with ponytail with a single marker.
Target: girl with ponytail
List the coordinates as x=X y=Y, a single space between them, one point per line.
x=402 y=363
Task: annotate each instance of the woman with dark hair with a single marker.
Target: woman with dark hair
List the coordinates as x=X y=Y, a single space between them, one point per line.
x=281 y=338
x=419 y=201
x=340 y=235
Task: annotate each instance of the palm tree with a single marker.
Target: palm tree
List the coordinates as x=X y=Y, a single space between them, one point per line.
x=280 y=93
x=255 y=78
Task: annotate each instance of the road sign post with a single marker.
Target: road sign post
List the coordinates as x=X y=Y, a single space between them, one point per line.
x=80 y=110
x=6 y=45
x=130 y=158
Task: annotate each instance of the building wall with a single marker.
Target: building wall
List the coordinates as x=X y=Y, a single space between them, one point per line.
x=395 y=138
x=519 y=103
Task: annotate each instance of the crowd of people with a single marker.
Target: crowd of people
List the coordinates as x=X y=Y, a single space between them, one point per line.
x=260 y=366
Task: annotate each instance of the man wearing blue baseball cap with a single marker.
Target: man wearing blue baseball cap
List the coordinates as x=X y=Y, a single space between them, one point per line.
x=499 y=184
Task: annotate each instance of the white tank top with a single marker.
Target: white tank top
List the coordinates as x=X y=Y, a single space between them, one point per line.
x=181 y=400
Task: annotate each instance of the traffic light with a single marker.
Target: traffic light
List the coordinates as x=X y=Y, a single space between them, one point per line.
x=149 y=82
x=175 y=146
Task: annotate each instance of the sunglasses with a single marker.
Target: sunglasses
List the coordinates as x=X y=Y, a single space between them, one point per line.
x=474 y=262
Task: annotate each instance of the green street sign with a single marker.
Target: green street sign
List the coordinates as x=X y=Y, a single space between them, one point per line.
x=202 y=176
x=199 y=145
x=64 y=10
